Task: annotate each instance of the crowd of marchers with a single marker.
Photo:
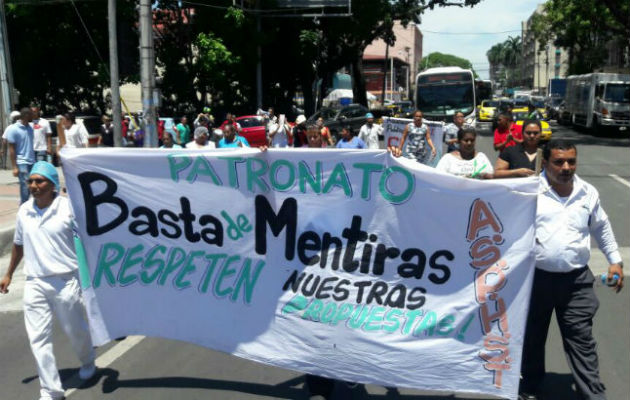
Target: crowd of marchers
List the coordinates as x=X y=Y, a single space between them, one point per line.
x=568 y=213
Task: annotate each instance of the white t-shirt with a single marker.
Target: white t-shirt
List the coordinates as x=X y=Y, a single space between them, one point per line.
x=370 y=135
x=41 y=129
x=280 y=139
x=194 y=145
x=468 y=168
x=76 y=136
x=47 y=238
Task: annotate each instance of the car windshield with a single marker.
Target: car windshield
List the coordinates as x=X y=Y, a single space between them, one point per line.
x=490 y=104
x=538 y=103
x=445 y=99
x=520 y=103
x=618 y=92
x=325 y=113
x=251 y=122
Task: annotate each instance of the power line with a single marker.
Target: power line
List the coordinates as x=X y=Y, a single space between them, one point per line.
x=468 y=33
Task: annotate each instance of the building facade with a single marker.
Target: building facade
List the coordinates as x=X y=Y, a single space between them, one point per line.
x=404 y=56
x=540 y=64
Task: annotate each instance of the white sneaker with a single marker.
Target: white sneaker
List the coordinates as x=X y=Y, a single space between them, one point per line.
x=87 y=371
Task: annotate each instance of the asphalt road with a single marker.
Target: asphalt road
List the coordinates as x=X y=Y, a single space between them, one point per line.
x=148 y=368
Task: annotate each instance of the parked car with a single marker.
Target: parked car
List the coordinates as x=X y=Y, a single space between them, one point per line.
x=336 y=118
x=254 y=129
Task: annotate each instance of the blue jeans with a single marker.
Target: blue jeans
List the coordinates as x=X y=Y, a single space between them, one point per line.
x=23 y=171
x=42 y=155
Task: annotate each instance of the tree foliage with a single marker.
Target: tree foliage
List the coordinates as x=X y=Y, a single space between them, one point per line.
x=55 y=63
x=504 y=57
x=437 y=59
x=584 y=27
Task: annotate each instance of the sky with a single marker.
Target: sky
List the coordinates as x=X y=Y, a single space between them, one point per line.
x=487 y=16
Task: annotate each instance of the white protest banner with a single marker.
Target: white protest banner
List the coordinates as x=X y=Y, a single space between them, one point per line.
x=393 y=129
x=338 y=263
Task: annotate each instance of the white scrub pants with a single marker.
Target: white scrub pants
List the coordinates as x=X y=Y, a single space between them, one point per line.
x=42 y=296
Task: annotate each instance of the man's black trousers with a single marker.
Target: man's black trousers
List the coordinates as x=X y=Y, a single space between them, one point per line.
x=573 y=298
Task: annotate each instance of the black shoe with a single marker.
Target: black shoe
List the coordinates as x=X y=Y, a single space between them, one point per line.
x=527 y=396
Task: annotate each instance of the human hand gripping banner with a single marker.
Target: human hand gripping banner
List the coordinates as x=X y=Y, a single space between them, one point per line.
x=348 y=264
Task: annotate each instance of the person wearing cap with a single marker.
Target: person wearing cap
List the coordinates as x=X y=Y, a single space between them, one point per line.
x=20 y=137
x=201 y=140
x=44 y=238
x=299 y=132
x=370 y=131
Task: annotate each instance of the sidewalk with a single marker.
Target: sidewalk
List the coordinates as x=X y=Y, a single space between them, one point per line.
x=9 y=203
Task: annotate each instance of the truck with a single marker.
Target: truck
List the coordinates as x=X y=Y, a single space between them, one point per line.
x=599 y=101
x=556 y=87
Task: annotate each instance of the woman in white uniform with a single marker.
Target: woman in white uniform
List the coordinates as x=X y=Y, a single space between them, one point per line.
x=43 y=236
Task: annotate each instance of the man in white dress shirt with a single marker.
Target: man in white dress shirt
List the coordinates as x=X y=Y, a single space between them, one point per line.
x=370 y=131
x=569 y=211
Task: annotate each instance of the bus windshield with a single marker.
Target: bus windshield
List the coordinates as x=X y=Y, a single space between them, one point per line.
x=617 y=92
x=445 y=99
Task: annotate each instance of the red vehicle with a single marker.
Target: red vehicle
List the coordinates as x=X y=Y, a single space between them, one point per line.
x=253 y=128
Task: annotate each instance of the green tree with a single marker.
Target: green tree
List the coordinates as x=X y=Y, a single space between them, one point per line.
x=436 y=59
x=583 y=27
x=54 y=61
x=505 y=56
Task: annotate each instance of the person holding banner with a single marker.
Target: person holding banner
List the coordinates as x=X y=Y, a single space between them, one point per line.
x=201 y=139
x=415 y=138
x=568 y=213
x=44 y=237
x=520 y=160
x=466 y=162
x=231 y=138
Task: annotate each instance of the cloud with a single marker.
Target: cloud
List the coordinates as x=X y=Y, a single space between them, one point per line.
x=487 y=16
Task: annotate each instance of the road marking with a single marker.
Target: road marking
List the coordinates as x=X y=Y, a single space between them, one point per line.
x=620 y=180
x=104 y=360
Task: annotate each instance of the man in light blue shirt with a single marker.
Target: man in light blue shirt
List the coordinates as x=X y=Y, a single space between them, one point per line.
x=20 y=139
x=231 y=139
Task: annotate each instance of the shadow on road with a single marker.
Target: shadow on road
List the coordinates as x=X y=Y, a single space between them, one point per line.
x=291 y=389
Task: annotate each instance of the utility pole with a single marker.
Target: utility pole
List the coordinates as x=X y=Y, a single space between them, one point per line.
x=147 y=73
x=259 y=60
x=6 y=81
x=113 y=73
x=385 y=73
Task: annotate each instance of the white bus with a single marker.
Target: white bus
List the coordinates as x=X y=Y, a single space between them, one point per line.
x=440 y=92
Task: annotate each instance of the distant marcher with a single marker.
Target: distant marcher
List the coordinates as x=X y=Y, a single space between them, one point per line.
x=507 y=133
x=370 y=132
x=451 y=130
x=107 y=133
x=168 y=142
x=466 y=162
x=279 y=132
x=416 y=137
x=520 y=160
x=42 y=136
x=21 y=152
x=325 y=131
x=299 y=132
x=72 y=134
x=201 y=140
x=314 y=138
x=349 y=140
x=231 y=120
x=231 y=138
x=183 y=131
x=532 y=111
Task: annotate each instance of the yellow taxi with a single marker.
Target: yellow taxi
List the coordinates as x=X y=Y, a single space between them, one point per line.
x=487 y=110
x=520 y=105
x=545 y=135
